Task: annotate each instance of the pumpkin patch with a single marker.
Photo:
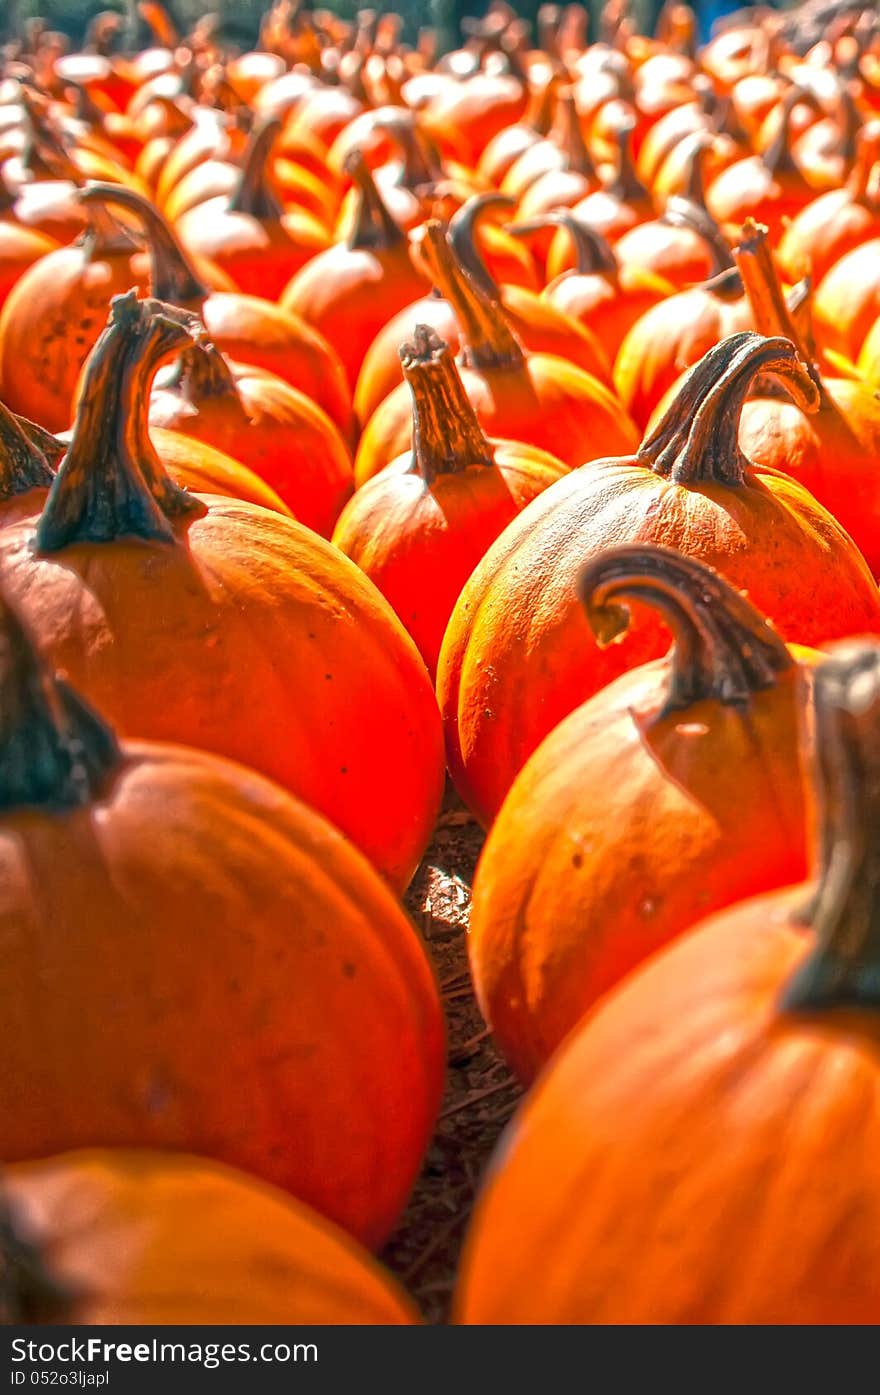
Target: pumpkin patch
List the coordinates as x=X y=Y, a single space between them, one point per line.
x=439 y=664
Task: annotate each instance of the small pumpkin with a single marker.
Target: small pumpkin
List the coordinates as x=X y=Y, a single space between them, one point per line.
x=769 y=186
x=302 y=669
x=835 y=222
x=350 y=291
x=247 y=233
x=419 y=527
x=673 y=792
x=742 y=1062
x=127 y=865
x=116 y=1236
x=537 y=398
x=276 y=432
x=847 y=302
x=518 y=656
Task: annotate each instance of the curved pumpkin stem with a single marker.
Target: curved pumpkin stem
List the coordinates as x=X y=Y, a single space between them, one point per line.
x=254 y=194
x=111 y=482
x=843 y=971
x=697 y=438
x=27 y=454
x=373 y=226
x=489 y=342
x=694 y=183
x=447 y=436
x=420 y=168
x=542 y=100
x=171 y=274
x=566 y=132
x=683 y=212
x=778 y=157
x=462 y=233
x=724 y=649
x=200 y=372
x=626 y=185
x=55 y=753
x=593 y=253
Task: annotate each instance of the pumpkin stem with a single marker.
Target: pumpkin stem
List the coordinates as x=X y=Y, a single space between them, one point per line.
x=172 y=277
x=447 y=437
x=25 y=462
x=567 y=133
x=778 y=157
x=254 y=194
x=694 y=182
x=201 y=371
x=489 y=342
x=723 y=648
x=55 y=752
x=462 y=232
x=542 y=100
x=593 y=253
x=111 y=483
x=373 y=226
x=420 y=168
x=867 y=150
x=844 y=968
x=626 y=185
x=697 y=437
x=104 y=235
x=684 y=212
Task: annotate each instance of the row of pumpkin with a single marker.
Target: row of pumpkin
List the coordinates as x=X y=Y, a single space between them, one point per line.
x=256 y=543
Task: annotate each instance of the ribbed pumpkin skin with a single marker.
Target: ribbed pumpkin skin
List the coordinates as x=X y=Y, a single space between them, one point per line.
x=696 y=1137
x=622 y=831
x=518 y=654
x=141 y=1238
x=253 y=638
x=195 y=961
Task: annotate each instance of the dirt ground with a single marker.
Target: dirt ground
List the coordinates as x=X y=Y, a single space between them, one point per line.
x=480 y=1092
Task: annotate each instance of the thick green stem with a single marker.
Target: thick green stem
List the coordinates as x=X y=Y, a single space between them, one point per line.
x=697 y=437
x=843 y=969
x=111 y=483
x=447 y=436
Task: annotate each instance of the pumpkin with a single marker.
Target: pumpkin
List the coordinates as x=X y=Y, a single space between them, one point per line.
x=518 y=656
x=20 y=247
x=131 y=866
x=770 y=186
x=835 y=222
x=673 y=792
x=599 y=293
x=117 y=1236
x=350 y=291
x=684 y=245
x=673 y=335
x=619 y=205
x=833 y=452
x=741 y=1063
x=505 y=148
x=257 y=418
x=847 y=302
x=247 y=328
x=302 y=670
x=247 y=233
x=419 y=527
x=537 y=398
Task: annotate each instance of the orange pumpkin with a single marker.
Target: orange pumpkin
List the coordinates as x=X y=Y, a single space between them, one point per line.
x=537 y=398
x=769 y=186
x=278 y=433
x=741 y=1063
x=247 y=232
x=675 y=791
x=20 y=247
x=419 y=527
x=847 y=301
x=350 y=291
x=835 y=222
x=247 y=328
x=833 y=453
x=303 y=671
x=512 y=666
x=117 y=859
x=114 y=1236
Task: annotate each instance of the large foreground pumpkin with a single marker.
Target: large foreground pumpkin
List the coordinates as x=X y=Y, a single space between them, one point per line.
x=222 y=625
x=193 y=960
x=518 y=655
x=674 y=791
x=112 y=1236
x=711 y=1131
